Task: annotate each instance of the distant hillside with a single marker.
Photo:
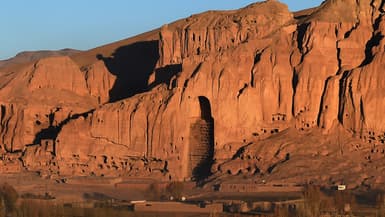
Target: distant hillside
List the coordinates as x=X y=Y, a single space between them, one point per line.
x=30 y=56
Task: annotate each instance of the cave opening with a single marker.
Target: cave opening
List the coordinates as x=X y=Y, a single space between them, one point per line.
x=202 y=142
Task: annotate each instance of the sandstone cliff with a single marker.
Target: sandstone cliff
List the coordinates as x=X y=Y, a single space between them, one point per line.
x=256 y=91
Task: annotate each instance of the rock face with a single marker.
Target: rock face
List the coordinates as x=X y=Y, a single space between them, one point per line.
x=258 y=91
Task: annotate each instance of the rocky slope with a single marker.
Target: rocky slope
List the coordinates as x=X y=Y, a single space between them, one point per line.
x=30 y=56
x=258 y=92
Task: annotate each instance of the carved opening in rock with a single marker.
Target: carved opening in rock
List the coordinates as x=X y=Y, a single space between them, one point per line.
x=201 y=142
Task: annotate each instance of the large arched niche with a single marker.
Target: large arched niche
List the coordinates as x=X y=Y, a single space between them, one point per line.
x=201 y=141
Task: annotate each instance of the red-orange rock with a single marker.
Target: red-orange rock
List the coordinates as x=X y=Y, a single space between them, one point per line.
x=259 y=91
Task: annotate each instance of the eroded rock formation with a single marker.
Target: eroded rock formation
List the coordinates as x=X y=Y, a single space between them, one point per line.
x=255 y=91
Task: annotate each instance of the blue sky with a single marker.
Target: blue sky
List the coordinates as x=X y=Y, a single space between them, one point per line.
x=84 y=24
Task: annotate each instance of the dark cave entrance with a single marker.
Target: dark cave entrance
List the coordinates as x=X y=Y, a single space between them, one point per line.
x=201 y=142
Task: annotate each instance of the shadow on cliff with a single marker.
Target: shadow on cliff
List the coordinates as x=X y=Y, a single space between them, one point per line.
x=52 y=131
x=165 y=75
x=132 y=65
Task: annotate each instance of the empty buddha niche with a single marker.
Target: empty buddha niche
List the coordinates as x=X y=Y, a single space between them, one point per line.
x=201 y=146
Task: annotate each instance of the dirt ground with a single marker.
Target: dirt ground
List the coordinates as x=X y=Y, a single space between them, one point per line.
x=80 y=189
x=73 y=191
